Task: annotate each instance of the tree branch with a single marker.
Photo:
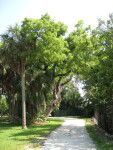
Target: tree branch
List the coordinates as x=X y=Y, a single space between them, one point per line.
x=63 y=74
x=66 y=82
x=58 y=83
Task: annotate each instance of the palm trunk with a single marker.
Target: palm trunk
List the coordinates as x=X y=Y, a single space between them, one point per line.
x=16 y=108
x=9 y=100
x=1 y=106
x=13 y=108
x=23 y=97
x=112 y=117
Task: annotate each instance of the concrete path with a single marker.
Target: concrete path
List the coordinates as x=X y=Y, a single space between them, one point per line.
x=72 y=135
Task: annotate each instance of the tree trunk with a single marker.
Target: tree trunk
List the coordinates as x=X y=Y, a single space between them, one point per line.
x=16 y=109
x=96 y=117
x=13 y=108
x=23 y=97
x=112 y=118
x=105 y=119
x=38 y=108
x=45 y=105
x=1 y=107
x=33 y=115
x=99 y=119
x=9 y=100
x=52 y=106
x=56 y=96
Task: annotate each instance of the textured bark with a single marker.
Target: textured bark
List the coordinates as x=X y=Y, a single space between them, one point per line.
x=23 y=97
x=45 y=106
x=51 y=107
x=56 y=100
x=96 y=117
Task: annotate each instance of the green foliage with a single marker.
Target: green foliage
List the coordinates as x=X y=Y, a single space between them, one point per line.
x=71 y=96
x=0 y=44
x=40 y=117
x=82 y=44
x=99 y=82
x=4 y=106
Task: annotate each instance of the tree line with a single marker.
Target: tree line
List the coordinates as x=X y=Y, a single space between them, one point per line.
x=99 y=84
x=37 y=60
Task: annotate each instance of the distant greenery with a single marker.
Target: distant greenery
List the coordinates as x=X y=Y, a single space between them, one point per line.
x=99 y=141
x=14 y=138
x=4 y=106
x=72 y=103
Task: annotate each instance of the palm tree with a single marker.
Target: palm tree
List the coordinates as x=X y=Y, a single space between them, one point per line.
x=14 y=49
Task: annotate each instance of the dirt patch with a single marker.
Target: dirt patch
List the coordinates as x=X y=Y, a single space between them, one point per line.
x=39 y=123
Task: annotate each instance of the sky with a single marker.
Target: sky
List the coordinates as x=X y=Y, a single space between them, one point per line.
x=67 y=11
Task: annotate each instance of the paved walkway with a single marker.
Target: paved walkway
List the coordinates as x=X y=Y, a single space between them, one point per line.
x=72 y=135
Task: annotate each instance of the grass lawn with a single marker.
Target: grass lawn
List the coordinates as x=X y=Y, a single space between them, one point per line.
x=99 y=141
x=14 y=138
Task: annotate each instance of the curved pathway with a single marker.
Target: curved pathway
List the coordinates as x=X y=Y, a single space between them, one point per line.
x=72 y=135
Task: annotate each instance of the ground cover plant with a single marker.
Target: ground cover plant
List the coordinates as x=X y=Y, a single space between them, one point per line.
x=14 y=138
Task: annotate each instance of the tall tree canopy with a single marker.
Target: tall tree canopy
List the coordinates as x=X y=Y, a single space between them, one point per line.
x=39 y=51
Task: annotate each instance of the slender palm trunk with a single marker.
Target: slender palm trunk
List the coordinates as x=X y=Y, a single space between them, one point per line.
x=112 y=114
x=23 y=97
x=1 y=106
x=9 y=100
x=13 y=108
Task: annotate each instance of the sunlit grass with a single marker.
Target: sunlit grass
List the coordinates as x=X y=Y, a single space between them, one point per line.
x=14 y=138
